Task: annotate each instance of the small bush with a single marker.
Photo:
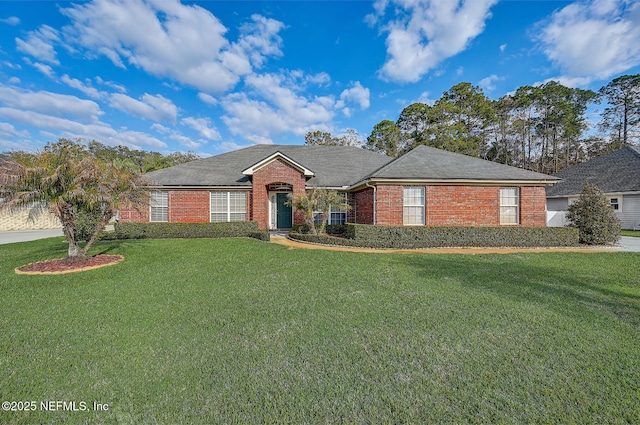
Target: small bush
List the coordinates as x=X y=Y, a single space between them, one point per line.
x=362 y=235
x=188 y=230
x=593 y=216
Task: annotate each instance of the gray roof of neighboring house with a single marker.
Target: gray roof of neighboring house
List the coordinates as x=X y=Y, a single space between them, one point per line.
x=333 y=166
x=426 y=163
x=616 y=172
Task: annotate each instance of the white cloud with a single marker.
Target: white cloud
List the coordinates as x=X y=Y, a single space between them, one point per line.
x=117 y=87
x=44 y=69
x=155 y=108
x=57 y=105
x=12 y=20
x=14 y=80
x=425 y=33
x=7 y=129
x=39 y=44
x=488 y=83
x=185 y=43
x=356 y=94
x=207 y=98
x=84 y=88
x=593 y=40
x=62 y=127
x=202 y=126
x=280 y=109
x=503 y=47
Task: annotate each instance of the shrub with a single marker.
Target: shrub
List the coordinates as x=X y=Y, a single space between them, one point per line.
x=330 y=229
x=594 y=217
x=362 y=235
x=189 y=230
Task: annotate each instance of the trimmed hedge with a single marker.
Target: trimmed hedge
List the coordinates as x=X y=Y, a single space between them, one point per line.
x=369 y=236
x=234 y=229
x=330 y=229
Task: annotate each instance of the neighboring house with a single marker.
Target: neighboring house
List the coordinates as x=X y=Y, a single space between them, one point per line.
x=20 y=220
x=617 y=174
x=426 y=186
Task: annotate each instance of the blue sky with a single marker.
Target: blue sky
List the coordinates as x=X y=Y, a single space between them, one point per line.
x=213 y=76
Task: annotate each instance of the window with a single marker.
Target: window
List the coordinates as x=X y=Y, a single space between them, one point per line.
x=335 y=216
x=615 y=203
x=509 y=205
x=159 y=206
x=414 y=206
x=228 y=206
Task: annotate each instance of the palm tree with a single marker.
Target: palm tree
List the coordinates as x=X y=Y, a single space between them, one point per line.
x=68 y=181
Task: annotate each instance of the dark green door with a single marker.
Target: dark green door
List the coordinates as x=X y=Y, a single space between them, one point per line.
x=283 y=211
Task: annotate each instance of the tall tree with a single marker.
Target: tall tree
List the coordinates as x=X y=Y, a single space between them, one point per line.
x=415 y=124
x=69 y=181
x=385 y=138
x=319 y=138
x=463 y=118
x=621 y=120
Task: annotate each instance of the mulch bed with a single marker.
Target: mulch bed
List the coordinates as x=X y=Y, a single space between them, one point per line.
x=63 y=265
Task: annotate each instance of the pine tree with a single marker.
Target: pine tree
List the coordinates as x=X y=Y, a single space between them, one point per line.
x=594 y=217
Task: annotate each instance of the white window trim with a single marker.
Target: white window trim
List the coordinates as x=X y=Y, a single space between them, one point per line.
x=423 y=206
x=517 y=206
x=328 y=222
x=620 y=200
x=229 y=211
x=152 y=206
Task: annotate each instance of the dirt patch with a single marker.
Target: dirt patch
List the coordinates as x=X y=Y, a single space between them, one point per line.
x=62 y=265
x=304 y=245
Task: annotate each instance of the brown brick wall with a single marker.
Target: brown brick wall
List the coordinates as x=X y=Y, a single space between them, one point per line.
x=390 y=202
x=189 y=206
x=533 y=206
x=449 y=205
x=185 y=206
x=362 y=207
x=276 y=172
x=463 y=206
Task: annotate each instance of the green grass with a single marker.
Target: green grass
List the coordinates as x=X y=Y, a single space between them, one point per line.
x=634 y=233
x=243 y=331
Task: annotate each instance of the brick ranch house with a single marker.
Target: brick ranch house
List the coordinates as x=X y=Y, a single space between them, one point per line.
x=426 y=186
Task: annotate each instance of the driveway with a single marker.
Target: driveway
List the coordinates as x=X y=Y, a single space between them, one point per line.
x=12 y=236
x=629 y=243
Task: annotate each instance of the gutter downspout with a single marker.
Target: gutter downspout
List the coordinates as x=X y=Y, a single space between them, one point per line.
x=375 y=201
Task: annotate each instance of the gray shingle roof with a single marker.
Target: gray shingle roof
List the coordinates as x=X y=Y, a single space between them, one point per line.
x=618 y=171
x=426 y=163
x=333 y=166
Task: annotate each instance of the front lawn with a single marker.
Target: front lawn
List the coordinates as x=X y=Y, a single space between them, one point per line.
x=244 y=331
x=634 y=233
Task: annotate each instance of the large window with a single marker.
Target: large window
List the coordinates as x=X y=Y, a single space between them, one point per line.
x=159 y=206
x=336 y=215
x=414 y=206
x=509 y=205
x=228 y=206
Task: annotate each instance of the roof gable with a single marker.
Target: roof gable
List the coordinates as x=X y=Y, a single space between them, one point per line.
x=275 y=157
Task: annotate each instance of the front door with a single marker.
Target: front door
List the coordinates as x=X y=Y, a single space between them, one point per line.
x=284 y=215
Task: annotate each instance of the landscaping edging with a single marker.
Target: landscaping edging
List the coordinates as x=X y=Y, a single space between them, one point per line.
x=298 y=244
x=67 y=268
